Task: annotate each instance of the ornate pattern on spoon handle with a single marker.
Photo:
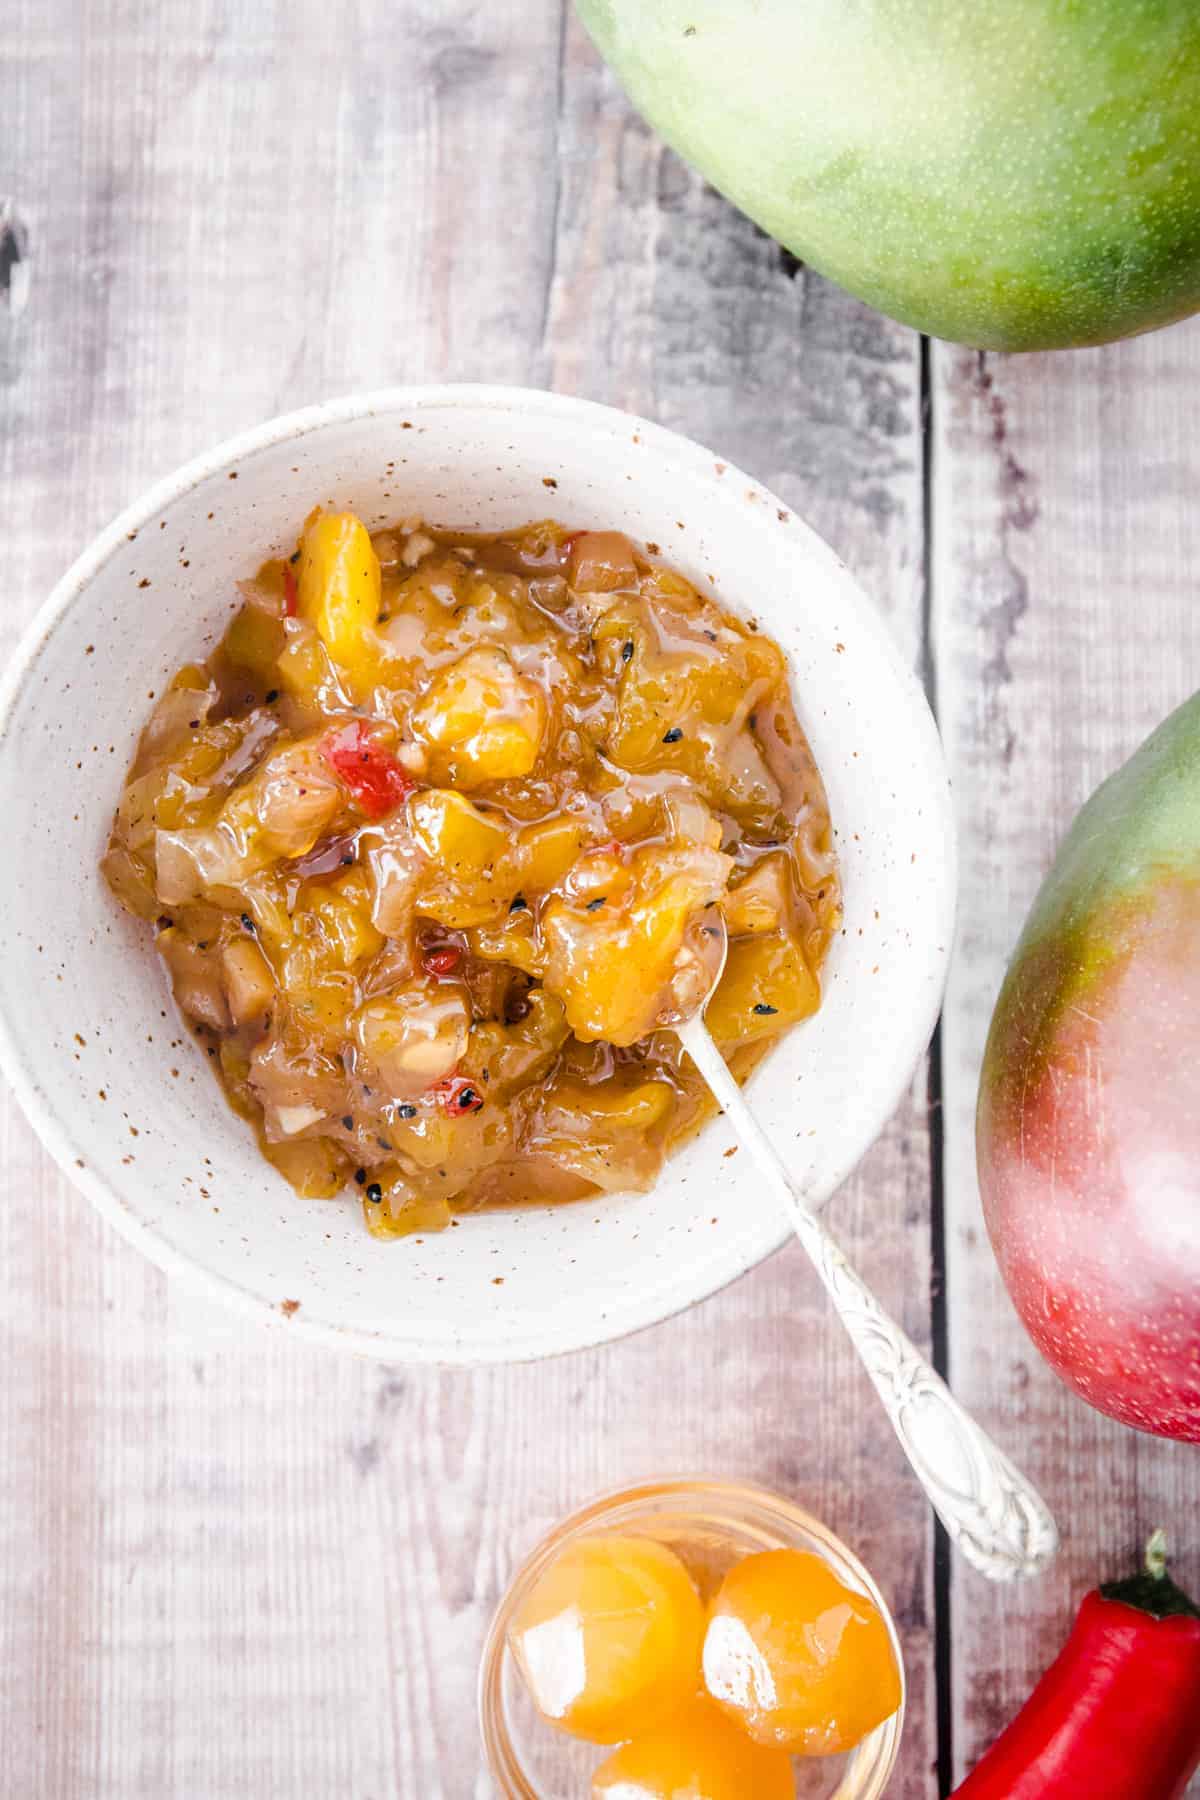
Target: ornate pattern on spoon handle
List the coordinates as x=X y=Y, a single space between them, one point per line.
x=995 y=1516
x=998 y=1520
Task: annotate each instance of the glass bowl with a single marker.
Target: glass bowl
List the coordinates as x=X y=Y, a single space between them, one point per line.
x=711 y=1524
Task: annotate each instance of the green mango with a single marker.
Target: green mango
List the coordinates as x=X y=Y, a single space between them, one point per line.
x=1088 y=1128
x=1012 y=174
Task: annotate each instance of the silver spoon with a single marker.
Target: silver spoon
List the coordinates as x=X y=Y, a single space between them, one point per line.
x=996 y=1517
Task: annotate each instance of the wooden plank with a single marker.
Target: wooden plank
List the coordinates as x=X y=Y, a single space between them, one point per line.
x=1065 y=547
x=234 y=1567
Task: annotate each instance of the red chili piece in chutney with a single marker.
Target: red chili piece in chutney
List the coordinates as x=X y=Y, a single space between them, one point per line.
x=291 y=592
x=457 y=1095
x=377 y=781
x=442 y=959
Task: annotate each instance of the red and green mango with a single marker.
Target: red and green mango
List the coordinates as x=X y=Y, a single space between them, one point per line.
x=1088 y=1130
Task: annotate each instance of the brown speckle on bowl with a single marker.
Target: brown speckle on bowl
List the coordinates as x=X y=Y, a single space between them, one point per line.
x=289 y=1308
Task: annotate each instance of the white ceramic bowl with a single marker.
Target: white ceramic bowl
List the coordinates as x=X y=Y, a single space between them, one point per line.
x=87 y=1034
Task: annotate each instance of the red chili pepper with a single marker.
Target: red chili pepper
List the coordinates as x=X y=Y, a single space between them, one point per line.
x=455 y=1094
x=443 y=960
x=291 y=592
x=376 y=779
x=1117 y=1716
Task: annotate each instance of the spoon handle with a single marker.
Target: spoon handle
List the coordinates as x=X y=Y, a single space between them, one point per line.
x=996 y=1517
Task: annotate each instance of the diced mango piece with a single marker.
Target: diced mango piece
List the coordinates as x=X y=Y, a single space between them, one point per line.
x=767 y=986
x=315 y=1167
x=305 y=671
x=484 y=719
x=619 y=1105
x=468 y=878
x=762 y=901
x=343 y=918
x=612 y=961
x=456 y=834
x=322 y=998
x=547 y=850
x=339 y=587
x=254 y=642
x=249 y=983
x=399 y=1214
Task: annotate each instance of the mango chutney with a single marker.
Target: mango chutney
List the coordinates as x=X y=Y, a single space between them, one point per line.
x=426 y=844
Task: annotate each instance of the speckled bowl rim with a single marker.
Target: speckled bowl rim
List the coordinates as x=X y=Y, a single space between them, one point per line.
x=685 y=452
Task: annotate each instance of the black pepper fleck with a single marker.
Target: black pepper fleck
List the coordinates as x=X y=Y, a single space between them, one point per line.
x=248 y=924
x=374 y=1193
x=597 y=903
x=673 y=736
x=360 y=1175
x=519 y=904
x=407 y=1111
x=764 y=1010
x=348 y=1121
x=272 y=696
x=627 y=650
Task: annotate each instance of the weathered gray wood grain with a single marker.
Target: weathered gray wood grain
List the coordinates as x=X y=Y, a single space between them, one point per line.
x=232 y=1569
x=1065 y=584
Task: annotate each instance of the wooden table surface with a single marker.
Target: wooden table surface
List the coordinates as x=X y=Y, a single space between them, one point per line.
x=230 y=1566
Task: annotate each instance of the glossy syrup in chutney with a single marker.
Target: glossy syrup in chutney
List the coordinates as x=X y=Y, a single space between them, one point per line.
x=425 y=844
